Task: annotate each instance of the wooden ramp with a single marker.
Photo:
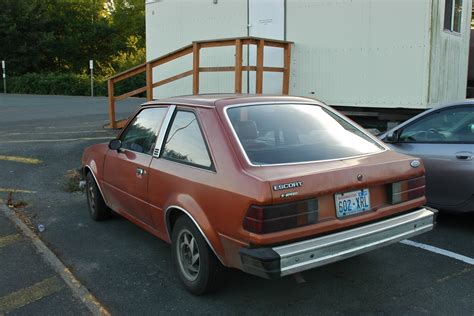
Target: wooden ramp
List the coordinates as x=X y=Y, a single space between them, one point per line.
x=195 y=49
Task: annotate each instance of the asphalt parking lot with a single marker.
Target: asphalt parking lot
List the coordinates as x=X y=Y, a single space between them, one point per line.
x=129 y=271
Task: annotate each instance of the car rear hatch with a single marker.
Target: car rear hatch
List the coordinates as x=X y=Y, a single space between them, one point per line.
x=324 y=173
x=314 y=198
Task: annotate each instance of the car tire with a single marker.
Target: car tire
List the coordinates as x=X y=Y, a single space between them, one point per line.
x=98 y=210
x=201 y=274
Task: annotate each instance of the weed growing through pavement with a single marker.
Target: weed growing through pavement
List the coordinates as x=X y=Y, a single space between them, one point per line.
x=73 y=177
x=16 y=204
x=18 y=207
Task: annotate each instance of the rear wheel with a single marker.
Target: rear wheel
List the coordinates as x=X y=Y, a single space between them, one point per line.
x=198 y=268
x=98 y=210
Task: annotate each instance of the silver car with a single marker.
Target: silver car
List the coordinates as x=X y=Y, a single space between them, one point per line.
x=443 y=137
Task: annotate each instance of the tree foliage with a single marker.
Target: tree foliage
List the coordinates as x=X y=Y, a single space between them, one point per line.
x=38 y=36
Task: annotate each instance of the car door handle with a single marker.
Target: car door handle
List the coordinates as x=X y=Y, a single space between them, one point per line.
x=141 y=172
x=464 y=155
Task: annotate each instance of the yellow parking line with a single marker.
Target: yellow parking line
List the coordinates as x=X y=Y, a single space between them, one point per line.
x=53 y=140
x=78 y=290
x=54 y=133
x=27 y=160
x=16 y=191
x=9 y=239
x=30 y=294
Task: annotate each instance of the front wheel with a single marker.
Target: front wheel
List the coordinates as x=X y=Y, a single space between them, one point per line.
x=198 y=268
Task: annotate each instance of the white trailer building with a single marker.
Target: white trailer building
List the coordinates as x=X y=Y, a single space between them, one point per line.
x=372 y=55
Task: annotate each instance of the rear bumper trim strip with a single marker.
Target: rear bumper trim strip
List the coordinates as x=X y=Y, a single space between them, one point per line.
x=300 y=256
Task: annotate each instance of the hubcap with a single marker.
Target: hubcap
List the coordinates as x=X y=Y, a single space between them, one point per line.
x=91 y=196
x=188 y=255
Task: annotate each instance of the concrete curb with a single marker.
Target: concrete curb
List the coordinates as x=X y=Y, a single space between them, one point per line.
x=78 y=290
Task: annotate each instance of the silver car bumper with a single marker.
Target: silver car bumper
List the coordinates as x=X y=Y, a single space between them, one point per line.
x=296 y=257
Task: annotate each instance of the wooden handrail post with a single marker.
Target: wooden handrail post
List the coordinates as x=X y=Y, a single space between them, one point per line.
x=110 y=85
x=286 y=71
x=259 y=75
x=149 y=82
x=238 y=66
x=196 y=50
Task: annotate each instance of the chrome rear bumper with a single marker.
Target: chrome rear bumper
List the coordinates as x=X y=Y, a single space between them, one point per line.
x=296 y=257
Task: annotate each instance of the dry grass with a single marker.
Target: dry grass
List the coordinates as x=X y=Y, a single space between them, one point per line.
x=73 y=177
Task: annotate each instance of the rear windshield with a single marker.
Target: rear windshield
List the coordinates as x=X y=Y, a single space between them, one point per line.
x=292 y=133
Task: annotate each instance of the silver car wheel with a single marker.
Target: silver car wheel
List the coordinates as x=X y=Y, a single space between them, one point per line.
x=91 y=196
x=188 y=255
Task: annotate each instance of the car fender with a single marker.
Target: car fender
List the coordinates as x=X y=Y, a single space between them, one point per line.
x=93 y=160
x=191 y=208
x=92 y=167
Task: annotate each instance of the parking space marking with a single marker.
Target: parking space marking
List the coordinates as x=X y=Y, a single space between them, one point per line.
x=30 y=294
x=32 y=161
x=17 y=191
x=454 y=275
x=439 y=251
x=9 y=239
x=53 y=140
x=54 y=133
x=78 y=290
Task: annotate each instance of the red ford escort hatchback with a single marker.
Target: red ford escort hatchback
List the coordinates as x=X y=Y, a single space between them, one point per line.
x=268 y=185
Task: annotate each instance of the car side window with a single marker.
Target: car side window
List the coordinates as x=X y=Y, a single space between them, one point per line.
x=140 y=135
x=454 y=125
x=185 y=142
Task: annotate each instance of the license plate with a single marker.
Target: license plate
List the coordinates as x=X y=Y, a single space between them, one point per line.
x=350 y=203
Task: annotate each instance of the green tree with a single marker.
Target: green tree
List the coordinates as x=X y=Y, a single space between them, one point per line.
x=62 y=35
x=128 y=21
x=47 y=39
x=82 y=32
x=26 y=36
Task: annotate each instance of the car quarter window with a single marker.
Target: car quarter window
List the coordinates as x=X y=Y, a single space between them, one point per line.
x=140 y=135
x=185 y=142
x=455 y=125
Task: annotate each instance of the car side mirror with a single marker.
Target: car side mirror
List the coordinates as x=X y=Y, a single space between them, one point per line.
x=392 y=137
x=115 y=144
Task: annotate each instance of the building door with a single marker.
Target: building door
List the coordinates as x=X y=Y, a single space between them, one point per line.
x=267 y=19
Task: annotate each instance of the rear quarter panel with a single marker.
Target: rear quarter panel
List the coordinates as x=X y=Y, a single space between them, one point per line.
x=217 y=199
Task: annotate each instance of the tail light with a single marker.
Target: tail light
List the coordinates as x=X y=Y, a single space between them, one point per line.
x=272 y=218
x=406 y=190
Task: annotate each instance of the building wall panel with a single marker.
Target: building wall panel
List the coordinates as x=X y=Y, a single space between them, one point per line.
x=370 y=53
x=172 y=24
x=367 y=53
x=449 y=56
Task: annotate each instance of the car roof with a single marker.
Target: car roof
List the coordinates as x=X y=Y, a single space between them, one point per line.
x=221 y=100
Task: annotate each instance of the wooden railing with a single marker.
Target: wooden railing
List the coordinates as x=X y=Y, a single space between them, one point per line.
x=195 y=49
